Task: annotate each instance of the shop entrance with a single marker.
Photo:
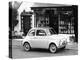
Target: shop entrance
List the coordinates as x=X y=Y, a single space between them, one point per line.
x=47 y=17
x=53 y=19
x=25 y=23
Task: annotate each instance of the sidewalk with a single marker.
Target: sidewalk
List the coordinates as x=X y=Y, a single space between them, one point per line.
x=72 y=45
x=16 y=42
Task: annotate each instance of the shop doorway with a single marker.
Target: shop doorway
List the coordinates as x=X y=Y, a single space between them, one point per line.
x=53 y=19
x=25 y=24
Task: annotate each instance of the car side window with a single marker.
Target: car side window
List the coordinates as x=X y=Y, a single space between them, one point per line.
x=32 y=33
x=40 y=33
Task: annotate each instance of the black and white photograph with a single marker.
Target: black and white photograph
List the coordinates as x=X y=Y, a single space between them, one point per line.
x=42 y=29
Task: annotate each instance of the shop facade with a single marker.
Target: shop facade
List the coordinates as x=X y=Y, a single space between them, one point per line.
x=63 y=19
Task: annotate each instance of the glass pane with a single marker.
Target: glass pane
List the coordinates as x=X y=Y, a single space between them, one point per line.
x=40 y=33
x=32 y=33
x=52 y=31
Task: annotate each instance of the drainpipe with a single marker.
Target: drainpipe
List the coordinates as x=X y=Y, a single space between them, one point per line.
x=58 y=22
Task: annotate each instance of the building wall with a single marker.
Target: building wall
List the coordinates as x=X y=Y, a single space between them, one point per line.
x=26 y=22
x=63 y=19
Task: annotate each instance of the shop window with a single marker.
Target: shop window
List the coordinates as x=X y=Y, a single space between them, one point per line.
x=66 y=24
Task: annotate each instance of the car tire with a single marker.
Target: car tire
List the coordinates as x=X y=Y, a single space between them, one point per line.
x=26 y=46
x=52 y=48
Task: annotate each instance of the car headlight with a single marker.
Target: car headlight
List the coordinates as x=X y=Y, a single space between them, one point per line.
x=62 y=41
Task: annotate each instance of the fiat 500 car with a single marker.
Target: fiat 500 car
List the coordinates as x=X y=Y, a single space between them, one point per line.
x=45 y=38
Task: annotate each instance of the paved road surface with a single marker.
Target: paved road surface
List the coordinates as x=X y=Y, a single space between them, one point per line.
x=18 y=52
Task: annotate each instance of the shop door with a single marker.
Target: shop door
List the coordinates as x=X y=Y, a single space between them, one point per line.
x=26 y=23
x=53 y=19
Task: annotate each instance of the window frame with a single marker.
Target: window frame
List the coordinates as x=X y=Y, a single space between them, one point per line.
x=32 y=30
x=42 y=30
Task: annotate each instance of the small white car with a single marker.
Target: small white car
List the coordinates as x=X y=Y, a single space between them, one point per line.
x=45 y=38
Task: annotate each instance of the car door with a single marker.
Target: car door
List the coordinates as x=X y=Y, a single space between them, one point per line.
x=41 y=38
x=32 y=38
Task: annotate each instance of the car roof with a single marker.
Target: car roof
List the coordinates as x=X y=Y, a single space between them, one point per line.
x=44 y=28
x=41 y=28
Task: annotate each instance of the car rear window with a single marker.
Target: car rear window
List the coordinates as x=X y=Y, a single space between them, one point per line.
x=52 y=31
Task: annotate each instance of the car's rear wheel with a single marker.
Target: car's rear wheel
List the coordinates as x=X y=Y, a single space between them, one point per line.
x=26 y=46
x=52 y=48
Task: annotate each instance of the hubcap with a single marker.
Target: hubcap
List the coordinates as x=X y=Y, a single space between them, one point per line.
x=53 y=48
x=26 y=47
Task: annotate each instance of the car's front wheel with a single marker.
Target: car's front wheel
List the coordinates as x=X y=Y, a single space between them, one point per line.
x=26 y=46
x=52 y=48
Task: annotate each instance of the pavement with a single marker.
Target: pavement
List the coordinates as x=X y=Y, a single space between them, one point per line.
x=18 y=52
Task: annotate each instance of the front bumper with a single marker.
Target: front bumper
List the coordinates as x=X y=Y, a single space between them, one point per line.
x=62 y=44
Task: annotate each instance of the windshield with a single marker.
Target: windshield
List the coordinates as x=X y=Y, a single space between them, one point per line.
x=52 y=31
